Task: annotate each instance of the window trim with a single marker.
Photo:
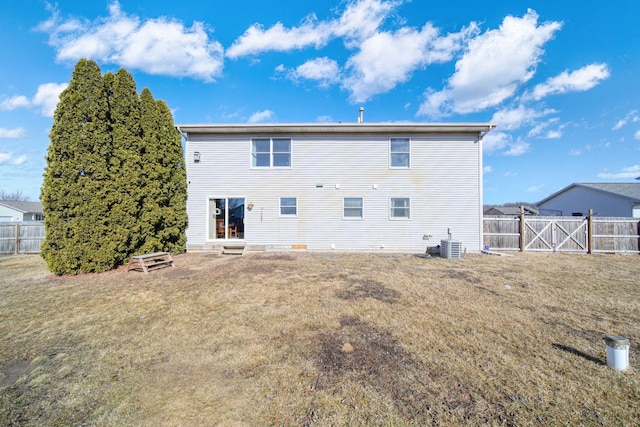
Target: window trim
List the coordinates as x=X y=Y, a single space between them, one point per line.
x=280 y=206
x=272 y=153
x=391 y=153
x=392 y=209
x=361 y=208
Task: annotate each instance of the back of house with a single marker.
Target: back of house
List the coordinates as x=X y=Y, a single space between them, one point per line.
x=374 y=186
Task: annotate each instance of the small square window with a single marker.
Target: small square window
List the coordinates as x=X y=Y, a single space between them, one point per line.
x=400 y=207
x=399 y=152
x=288 y=206
x=353 y=207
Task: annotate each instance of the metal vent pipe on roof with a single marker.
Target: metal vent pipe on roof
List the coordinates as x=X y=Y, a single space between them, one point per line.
x=361 y=118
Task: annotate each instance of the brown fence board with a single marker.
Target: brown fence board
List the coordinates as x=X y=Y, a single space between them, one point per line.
x=562 y=234
x=21 y=237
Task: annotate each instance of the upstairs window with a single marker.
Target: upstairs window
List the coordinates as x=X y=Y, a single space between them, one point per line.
x=271 y=153
x=352 y=208
x=399 y=153
x=400 y=207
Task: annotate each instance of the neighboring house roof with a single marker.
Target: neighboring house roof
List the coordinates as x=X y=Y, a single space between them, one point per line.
x=511 y=210
x=23 y=207
x=629 y=190
x=341 y=128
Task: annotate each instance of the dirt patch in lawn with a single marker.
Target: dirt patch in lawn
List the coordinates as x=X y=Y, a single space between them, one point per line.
x=322 y=339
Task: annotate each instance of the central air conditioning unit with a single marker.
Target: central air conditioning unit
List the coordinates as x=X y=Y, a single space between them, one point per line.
x=451 y=249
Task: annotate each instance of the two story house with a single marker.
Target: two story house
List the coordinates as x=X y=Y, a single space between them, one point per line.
x=357 y=186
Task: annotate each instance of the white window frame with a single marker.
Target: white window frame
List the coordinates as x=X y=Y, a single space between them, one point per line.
x=361 y=208
x=392 y=153
x=393 y=208
x=272 y=153
x=284 y=215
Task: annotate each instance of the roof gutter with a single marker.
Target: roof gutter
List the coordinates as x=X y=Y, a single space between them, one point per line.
x=336 y=128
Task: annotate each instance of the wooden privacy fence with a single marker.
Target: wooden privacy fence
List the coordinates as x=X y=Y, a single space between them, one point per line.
x=588 y=234
x=21 y=237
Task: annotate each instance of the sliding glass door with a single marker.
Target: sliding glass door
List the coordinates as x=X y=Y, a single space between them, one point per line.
x=226 y=218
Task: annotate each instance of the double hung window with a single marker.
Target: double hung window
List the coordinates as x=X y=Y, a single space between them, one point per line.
x=288 y=206
x=400 y=207
x=399 y=153
x=271 y=153
x=352 y=208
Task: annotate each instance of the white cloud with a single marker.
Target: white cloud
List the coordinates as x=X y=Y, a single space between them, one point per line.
x=628 y=172
x=577 y=81
x=493 y=67
x=256 y=39
x=515 y=118
x=631 y=117
x=553 y=134
x=46 y=98
x=161 y=46
x=14 y=102
x=388 y=58
x=495 y=141
x=326 y=71
x=324 y=119
x=383 y=59
x=9 y=159
x=575 y=152
x=262 y=116
x=637 y=135
x=500 y=142
x=12 y=133
x=517 y=148
x=542 y=130
x=360 y=20
x=535 y=188
x=487 y=169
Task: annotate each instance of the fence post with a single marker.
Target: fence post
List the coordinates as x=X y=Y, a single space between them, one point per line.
x=522 y=228
x=17 y=250
x=590 y=232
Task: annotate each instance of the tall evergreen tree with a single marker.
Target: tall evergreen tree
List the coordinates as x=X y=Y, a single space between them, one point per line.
x=125 y=166
x=164 y=215
x=115 y=182
x=77 y=178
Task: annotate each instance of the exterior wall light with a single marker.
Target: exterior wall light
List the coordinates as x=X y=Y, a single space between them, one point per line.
x=196 y=157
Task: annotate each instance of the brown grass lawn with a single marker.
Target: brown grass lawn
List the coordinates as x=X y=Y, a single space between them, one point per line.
x=322 y=339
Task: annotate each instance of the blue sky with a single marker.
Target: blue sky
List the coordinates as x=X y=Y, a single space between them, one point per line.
x=560 y=78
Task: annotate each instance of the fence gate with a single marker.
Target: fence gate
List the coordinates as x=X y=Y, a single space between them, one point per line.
x=556 y=234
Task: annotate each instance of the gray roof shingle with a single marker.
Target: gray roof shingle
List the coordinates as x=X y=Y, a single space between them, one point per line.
x=24 y=207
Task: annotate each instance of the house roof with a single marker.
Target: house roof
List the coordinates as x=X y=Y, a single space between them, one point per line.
x=512 y=210
x=629 y=190
x=324 y=128
x=23 y=207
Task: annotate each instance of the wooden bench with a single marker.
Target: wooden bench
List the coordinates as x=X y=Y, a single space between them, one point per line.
x=147 y=261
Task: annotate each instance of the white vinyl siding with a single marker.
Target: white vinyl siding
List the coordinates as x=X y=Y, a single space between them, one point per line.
x=443 y=185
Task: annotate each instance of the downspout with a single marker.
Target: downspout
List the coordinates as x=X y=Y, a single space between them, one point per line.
x=184 y=134
x=481 y=181
x=491 y=127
